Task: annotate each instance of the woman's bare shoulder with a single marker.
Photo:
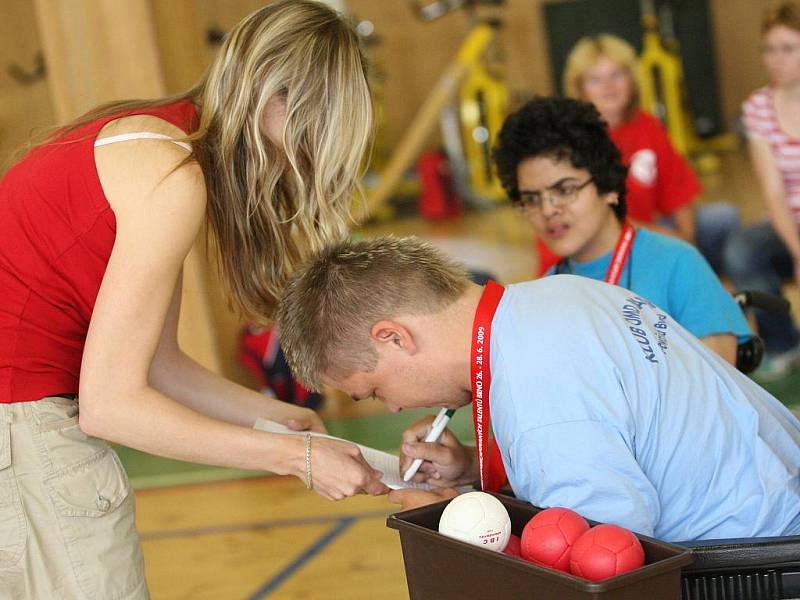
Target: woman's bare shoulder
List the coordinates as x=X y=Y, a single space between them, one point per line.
x=135 y=173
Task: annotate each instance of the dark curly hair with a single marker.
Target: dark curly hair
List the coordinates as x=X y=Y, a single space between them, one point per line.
x=562 y=129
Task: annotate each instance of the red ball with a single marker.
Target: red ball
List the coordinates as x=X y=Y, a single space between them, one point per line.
x=548 y=537
x=512 y=548
x=606 y=551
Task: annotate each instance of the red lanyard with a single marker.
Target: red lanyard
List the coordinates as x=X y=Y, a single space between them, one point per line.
x=490 y=461
x=621 y=254
x=491 y=468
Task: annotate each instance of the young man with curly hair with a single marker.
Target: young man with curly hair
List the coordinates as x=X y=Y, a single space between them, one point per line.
x=563 y=172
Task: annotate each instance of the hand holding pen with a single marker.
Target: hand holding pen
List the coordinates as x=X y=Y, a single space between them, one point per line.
x=437 y=427
x=445 y=462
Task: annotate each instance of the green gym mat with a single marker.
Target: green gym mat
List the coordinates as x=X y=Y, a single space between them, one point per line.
x=787 y=390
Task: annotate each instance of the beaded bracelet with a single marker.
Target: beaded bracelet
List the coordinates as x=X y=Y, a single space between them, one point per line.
x=309 y=480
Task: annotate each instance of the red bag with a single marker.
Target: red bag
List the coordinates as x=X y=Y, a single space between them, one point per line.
x=438 y=198
x=261 y=354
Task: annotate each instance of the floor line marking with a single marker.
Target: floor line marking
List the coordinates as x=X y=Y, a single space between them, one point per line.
x=275 y=582
x=192 y=532
x=179 y=488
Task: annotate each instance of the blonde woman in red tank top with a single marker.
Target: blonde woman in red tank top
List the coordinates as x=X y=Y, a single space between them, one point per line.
x=95 y=224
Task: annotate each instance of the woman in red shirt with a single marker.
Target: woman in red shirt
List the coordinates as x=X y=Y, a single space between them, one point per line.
x=661 y=185
x=95 y=224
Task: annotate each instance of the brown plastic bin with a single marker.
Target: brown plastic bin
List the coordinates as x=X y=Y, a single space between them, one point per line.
x=441 y=568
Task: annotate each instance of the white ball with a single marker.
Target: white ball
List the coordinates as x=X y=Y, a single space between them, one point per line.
x=478 y=519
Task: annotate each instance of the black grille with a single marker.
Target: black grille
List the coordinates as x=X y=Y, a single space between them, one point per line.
x=755 y=585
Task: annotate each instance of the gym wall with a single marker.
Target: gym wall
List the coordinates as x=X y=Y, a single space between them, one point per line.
x=24 y=96
x=415 y=53
x=174 y=39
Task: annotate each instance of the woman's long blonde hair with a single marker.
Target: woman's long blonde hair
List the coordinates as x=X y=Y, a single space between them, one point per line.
x=585 y=54
x=268 y=207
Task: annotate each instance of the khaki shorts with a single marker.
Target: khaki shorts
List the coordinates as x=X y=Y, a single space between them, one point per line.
x=67 y=523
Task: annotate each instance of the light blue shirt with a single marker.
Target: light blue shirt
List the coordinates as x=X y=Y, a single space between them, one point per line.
x=674 y=275
x=602 y=403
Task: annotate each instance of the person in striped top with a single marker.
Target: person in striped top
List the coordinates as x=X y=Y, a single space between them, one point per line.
x=760 y=257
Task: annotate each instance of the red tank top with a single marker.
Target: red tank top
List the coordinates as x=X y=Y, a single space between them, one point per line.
x=56 y=235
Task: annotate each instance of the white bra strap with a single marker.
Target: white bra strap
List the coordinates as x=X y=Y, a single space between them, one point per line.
x=140 y=135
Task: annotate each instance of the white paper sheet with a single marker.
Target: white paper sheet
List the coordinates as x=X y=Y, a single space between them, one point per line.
x=388 y=464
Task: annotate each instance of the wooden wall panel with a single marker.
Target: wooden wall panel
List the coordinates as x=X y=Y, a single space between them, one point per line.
x=227 y=13
x=25 y=108
x=183 y=49
x=96 y=51
x=526 y=50
x=737 y=36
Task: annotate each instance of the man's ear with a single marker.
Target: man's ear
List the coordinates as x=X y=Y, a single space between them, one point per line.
x=611 y=198
x=391 y=335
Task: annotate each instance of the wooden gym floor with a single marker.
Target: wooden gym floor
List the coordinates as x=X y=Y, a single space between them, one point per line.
x=225 y=535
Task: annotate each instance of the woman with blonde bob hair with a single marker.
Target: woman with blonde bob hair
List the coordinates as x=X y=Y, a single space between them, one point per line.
x=661 y=186
x=590 y=50
x=95 y=223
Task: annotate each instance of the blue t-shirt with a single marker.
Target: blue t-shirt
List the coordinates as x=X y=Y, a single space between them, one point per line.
x=674 y=276
x=602 y=403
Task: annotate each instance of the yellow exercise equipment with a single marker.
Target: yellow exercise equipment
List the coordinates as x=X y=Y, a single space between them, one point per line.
x=662 y=83
x=483 y=103
x=478 y=79
x=662 y=94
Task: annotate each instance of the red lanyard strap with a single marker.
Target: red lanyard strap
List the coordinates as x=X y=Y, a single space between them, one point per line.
x=621 y=254
x=490 y=461
x=480 y=373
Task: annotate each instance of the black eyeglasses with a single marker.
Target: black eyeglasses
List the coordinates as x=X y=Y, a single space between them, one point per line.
x=559 y=195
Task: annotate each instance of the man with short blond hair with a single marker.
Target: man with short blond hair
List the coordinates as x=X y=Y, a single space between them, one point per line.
x=342 y=293
x=599 y=400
